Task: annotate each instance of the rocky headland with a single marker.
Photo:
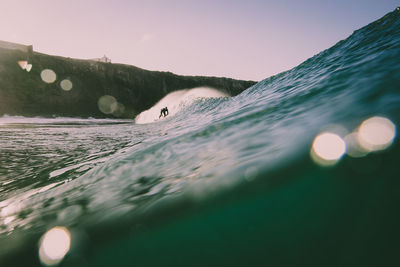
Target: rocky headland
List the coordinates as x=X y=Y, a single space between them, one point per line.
x=36 y=84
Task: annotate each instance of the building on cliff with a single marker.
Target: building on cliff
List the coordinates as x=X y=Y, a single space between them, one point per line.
x=104 y=59
x=14 y=46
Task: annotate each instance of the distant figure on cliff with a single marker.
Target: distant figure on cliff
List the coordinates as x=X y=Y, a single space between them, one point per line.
x=164 y=112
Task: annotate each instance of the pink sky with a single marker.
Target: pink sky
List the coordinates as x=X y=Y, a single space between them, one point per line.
x=239 y=39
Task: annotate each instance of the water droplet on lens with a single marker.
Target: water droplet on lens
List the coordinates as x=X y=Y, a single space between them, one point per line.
x=251 y=173
x=327 y=149
x=376 y=133
x=119 y=110
x=107 y=104
x=54 y=245
x=354 y=149
x=48 y=76
x=23 y=64
x=66 y=84
x=28 y=67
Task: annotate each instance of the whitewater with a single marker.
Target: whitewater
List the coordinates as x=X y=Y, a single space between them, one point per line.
x=222 y=180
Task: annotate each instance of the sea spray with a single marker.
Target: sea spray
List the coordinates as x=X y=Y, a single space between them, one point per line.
x=176 y=101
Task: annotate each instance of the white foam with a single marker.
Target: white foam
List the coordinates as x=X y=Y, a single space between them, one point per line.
x=175 y=101
x=6 y=119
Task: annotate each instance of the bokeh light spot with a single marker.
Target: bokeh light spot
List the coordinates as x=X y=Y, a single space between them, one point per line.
x=251 y=173
x=28 y=67
x=376 y=133
x=54 y=245
x=66 y=85
x=354 y=149
x=107 y=104
x=23 y=64
x=327 y=149
x=119 y=110
x=48 y=76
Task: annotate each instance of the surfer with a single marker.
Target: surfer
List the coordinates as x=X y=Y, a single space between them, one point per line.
x=164 y=112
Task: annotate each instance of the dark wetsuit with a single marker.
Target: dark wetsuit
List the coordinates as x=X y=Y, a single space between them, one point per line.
x=164 y=112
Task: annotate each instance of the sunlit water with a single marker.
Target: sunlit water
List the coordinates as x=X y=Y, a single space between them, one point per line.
x=332 y=120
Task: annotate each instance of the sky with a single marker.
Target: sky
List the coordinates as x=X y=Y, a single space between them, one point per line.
x=248 y=39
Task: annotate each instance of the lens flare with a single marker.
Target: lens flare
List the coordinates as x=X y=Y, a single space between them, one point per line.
x=107 y=104
x=54 y=245
x=376 y=133
x=327 y=149
x=66 y=84
x=354 y=149
x=48 y=76
x=119 y=110
x=251 y=173
x=23 y=64
x=28 y=67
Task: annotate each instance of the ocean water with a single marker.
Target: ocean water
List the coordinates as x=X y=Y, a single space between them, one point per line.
x=301 y=169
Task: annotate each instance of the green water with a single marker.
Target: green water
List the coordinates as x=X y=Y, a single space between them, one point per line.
x=223 y=181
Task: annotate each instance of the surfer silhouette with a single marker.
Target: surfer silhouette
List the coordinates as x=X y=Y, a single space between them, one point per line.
x=164 y=112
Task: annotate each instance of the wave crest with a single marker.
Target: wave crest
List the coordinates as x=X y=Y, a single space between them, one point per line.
x=176 y=101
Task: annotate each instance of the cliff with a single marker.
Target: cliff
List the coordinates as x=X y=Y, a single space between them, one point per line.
x=27 y=91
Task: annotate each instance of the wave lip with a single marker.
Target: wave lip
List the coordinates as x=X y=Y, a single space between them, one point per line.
x=175 y=101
